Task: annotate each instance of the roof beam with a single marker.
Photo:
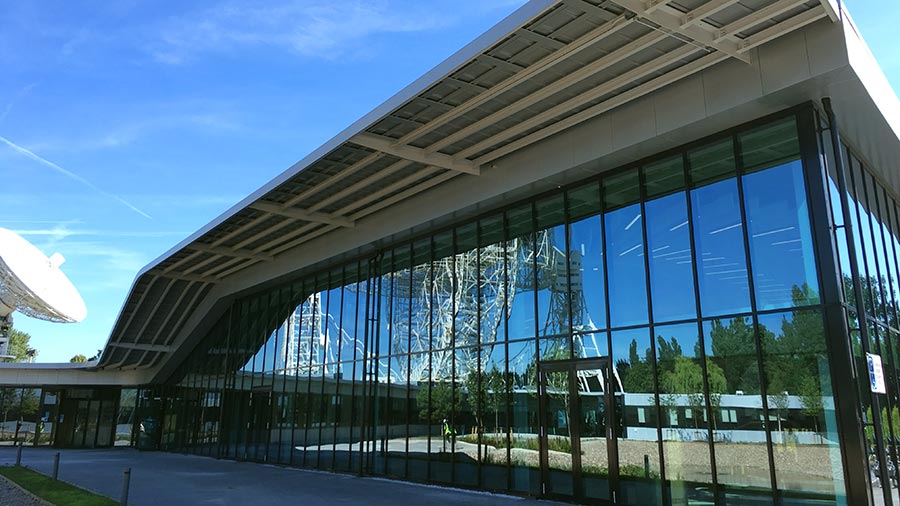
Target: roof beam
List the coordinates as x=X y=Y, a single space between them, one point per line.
x=497 y=62
x=598 y=65
x=705 y=10
x=182 y=276
x=590 y=9
x=414 y=154
x=546 y=63
x=228 y=252
x=144 y=347
x=300 y=214
x=672 y=24
x=617 y=100
x=598 y=92
x=541 y=40
x=757 y=17
x=178 y=324
x=788 y=25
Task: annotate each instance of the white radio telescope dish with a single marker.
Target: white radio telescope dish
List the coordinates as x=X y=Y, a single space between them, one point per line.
x=34 y=285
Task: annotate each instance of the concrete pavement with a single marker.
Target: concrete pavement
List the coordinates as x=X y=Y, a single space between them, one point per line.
x=174 y=479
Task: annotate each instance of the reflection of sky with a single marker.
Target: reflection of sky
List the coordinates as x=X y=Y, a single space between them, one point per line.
x=671 y=276
x=722 y=271
x=780 y=238
x=627 y=284
x=586 y=240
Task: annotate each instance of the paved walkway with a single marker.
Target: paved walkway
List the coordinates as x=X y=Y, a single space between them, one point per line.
x=173 y=479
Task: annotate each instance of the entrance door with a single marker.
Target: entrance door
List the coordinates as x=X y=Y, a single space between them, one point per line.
x=579 y=425
x=260 y=418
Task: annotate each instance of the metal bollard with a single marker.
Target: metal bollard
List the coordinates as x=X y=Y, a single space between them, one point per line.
x=19 y=455
x=646 y=466
x=56 y=466
x=126 y=479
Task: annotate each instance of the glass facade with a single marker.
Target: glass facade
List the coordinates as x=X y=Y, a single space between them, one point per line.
x=866 y=240
x=654 y=335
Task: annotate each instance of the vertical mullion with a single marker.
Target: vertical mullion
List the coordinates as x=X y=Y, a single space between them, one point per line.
x=479 y=399
x=700 y=337
x=751 y=285
x=295 y=330
x=612 y=451
x=652 y=329
x=409 y=324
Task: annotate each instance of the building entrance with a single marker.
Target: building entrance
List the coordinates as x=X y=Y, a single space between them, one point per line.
x=580 y=420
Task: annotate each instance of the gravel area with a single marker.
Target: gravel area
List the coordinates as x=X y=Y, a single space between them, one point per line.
x=12 y=496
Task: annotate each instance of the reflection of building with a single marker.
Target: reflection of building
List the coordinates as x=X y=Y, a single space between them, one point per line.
x=612 y=245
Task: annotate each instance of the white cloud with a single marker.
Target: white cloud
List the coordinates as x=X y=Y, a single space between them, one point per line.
x=311 y=28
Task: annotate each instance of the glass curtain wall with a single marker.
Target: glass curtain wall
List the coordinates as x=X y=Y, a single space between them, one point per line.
x=865 y=237
x=692 y=276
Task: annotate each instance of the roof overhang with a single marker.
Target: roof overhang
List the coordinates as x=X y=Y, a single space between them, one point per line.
x=475 y=130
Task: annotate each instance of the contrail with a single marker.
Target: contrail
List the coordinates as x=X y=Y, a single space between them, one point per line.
x=71 y=175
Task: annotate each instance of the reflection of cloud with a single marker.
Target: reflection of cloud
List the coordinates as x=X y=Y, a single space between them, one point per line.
x=70 y=175
x=312 y=28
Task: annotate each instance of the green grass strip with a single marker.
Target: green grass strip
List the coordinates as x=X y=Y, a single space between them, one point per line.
x=56 y=492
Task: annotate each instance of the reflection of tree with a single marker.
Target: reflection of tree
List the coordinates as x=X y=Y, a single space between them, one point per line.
x=487 y=394
x=683 y=378
x=876 y=298
x=811 y=399
x=734 y=349
x=636 y=373
x=443 y=399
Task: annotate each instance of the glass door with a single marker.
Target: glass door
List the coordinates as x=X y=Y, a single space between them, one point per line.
x=260 y=414
x=578 y=432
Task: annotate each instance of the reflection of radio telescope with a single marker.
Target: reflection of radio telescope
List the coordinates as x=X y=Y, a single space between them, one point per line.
x=32 y=284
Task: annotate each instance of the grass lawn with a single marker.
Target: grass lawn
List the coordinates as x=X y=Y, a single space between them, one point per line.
x=56 y=492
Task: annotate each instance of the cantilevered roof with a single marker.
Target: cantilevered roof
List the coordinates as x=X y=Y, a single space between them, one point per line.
x=547 y=67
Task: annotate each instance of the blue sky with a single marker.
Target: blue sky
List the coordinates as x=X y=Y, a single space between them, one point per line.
x=125 y=126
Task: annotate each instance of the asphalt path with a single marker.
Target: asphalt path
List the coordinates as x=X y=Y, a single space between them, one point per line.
x=160 y=478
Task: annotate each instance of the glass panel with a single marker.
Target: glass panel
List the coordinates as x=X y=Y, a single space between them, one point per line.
x=719 y=239
x=683 y=415
x=625 y=267
x=862 y=228
x=712 y=163
x=521 y=273
x=593 y=385
x=583 y=201
x=664 y=177
x=671 y=261
x=635 y=420
x=495 y=386
x=801 y=407
x=558 y=416
x=781 y=248
x=621 y=189
x=552 y=279
x=739 y=431
x=770 y=145
x=586 y=271
x=524 y=428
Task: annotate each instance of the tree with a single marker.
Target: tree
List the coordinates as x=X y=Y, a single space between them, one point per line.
x=77 y=359
x=19 y=346
x=14 y=399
